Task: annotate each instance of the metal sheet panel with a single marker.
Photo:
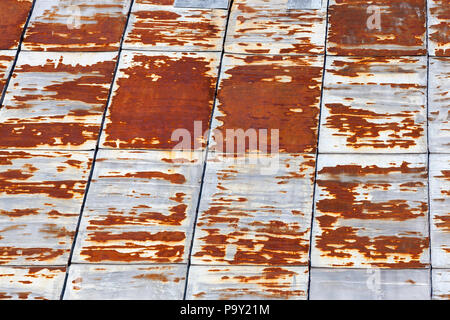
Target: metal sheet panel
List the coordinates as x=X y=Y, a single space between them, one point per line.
x=440 y=209
x=370 y=284
x=270 y=92
x=439 y=27
x=377 y=27
x=157 y=93
x=131 y=282
x=439 y=105
x=212 y=4
x=250 y=216
x=305 y=4
x=269 y=27
x=441 y=284
x=6 y=61
x=13 y=16
x=371 y=211
x=247 y=282
x=31 y=283
x=76 y=25
x=160 y=26
x=40 y=200
x=140 y=208
x=374 y=105
x=56 y=100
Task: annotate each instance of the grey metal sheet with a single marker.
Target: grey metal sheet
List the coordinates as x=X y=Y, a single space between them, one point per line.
x=305 y=4
x=130 y=282
x=140 y=208
x=441 y=284
x=438 y=27
x=211 y=4
x=247 y=282
x=370 y=284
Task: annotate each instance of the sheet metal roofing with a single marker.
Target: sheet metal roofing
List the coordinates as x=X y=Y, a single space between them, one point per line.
x=96 y=204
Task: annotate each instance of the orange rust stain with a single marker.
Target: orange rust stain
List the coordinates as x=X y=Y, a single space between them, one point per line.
x=440 y=33
x=8 y=254
x=5 y=61
x=15 y=213
x=253 y=96
x=147 y=108
x=13 y=16
x=101 y=31
x=175 y=178
x=403 y=28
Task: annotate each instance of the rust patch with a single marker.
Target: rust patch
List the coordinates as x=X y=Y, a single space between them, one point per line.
x=96 y=26
x=6 y=61
x=439 y=34
x=13 y=16
x=157 y=94
x=402 y=32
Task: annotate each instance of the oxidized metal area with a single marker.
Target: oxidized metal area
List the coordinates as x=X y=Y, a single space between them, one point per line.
x=13 y=16
x=6 y=62
x=439 y=27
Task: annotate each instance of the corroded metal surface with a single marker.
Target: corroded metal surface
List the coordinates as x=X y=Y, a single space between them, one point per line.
x=271 y=92
x=6 y=61
x=353 y=27
x=40 y=201
x=269 y=27
x=440 y=209
x=439 y=105
x=249 y=216
x=371 y=211
x=241 y=283
x=13 y=16
x=140 y=208
x=439 y=27
x=147 y=107
x=31 y=283
x=374 y=105
x=76 y=25
x=158 y=25
x=112 y=282
x=376 y=284
x=56 y=100
x=441 y=284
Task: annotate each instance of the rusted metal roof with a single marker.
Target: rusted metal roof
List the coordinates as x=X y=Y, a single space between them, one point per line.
x=41 y=194
x=158 y=25
x=361 y=284
x=269 y=27
x=13 y=16
x=179 y=91
x=439 y=105
x=56 y=100
x=439 y=27
x=440 y=209
x=6 y=62
x=441 y=284
x=241 y=283
x=401 y=31
x=130 y=282
x=140 y=208
x=374 y=104
x=31 y=283
x=248 y=216
x=76 y=25
x=371 y=211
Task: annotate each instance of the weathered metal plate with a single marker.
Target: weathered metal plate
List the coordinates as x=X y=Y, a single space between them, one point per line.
x=131 y=282
x=13 y=16
x=41 y=195
x=160 y=26
x=273 y=93
x=370 y=284
x=247 y=282
x=56 y=100
x=441 y=284
x=439 y=27
x=439 y=105
x=31 y=283
x=250 y=216
x=374 y=105
x=269 y=27
x=76 y=25
x=377 y=27
x=305 y=4
x=212 y=4
x=140 y=208
x=157 y=93
x=371 y=211
x=440 y=209
x=6 y=61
